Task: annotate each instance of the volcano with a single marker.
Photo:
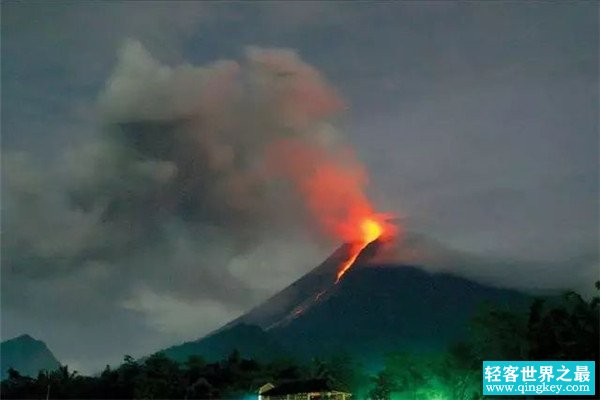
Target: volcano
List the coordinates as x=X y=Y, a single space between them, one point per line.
x=373 y=309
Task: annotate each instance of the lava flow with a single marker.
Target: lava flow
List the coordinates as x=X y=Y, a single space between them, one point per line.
x=370 y=230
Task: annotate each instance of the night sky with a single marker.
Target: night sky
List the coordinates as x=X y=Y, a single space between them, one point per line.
x=477 y=124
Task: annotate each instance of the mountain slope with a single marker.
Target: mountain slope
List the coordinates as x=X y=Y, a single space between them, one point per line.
x=373 y=309
x=249 y=340
x=248 y=332
x=382 y=308
x=26 y=355
x=283 y=305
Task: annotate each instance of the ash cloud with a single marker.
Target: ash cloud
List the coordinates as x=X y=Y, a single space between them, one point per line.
x=182 y=151
x=173 y=204
x=192 y=140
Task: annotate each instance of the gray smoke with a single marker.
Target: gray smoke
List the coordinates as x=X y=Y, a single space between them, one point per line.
x=172 y=212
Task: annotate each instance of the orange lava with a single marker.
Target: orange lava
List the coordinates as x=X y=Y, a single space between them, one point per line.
x=318 y=296
x=370 y=230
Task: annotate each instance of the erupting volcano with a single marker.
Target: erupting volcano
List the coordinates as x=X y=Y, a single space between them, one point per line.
x=332 y=182
x=371 y=230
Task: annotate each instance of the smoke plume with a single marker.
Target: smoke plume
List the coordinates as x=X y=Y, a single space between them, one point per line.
x=199 y=176
x=222 y=144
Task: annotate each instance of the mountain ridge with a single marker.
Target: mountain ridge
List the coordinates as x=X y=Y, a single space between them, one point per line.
x=27 y=355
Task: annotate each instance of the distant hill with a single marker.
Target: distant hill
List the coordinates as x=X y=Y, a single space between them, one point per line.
x=373 y=309
x=27 y=355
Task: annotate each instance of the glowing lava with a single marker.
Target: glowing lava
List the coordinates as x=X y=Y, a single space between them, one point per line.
x=370 y=230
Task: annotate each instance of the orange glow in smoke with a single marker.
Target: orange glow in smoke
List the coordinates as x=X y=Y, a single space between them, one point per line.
x=332 y=185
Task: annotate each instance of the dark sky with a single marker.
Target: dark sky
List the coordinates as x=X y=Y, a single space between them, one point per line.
x=477 y=122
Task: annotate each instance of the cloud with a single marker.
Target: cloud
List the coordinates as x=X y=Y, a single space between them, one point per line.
x=171 y=206
x=179 y=168
x=533 y=276
x=177 y=318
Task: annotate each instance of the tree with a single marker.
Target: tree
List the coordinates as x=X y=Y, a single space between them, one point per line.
x=160 y=378
x=16 y=386
x=460 y=372
x=566 y=331
x=564 y=328
x=500 y=334
x=556 y=328
x=384 y=386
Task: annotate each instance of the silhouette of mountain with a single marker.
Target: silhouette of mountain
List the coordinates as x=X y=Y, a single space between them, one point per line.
x=249 y=340
x=373 y=309
x=26 y=355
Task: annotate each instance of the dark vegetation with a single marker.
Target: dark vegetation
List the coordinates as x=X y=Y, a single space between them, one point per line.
x=552 y=329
